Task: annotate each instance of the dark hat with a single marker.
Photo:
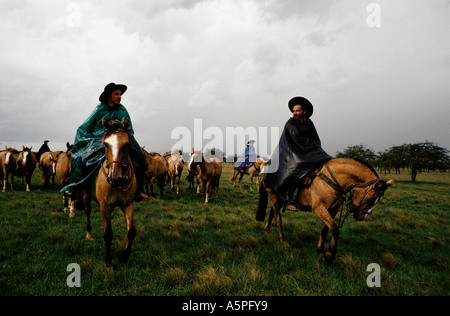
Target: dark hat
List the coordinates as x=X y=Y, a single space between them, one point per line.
x=109 y=90
x=306 y=105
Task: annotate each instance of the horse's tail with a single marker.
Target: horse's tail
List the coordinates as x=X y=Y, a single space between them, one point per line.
x=262 y=203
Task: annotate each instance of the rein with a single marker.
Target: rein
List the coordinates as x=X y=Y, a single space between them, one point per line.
x=346 y=196
x=127 y=179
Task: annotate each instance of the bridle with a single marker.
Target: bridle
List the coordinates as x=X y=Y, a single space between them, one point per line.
x=348 y=196
x=125 y=165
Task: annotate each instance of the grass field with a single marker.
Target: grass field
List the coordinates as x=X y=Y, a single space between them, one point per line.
x=185 y=248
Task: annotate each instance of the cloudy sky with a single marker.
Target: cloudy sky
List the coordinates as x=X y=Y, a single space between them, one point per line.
x=377 y=73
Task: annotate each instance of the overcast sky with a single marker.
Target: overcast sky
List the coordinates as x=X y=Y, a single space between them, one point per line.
x=377 y=75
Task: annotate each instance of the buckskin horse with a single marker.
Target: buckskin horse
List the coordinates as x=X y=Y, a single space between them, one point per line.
x=7 y=166
x=176 y=163
x=114 y=185
x=338 y=183
x=26 y=165
x=253 y=171
x=156 y=170
x=63 y=173
x=47 y=163
x=210 y=172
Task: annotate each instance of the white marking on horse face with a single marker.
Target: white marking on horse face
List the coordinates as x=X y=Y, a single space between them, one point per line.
x=24 y=158
x=113 y=141
x=54 y=167
x=8 y=156
x=191 y=159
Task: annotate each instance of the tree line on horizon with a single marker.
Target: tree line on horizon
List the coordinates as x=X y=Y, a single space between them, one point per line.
x=416 y=158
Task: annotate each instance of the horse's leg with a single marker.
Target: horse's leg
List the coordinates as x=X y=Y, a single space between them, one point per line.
x=107 y=231
x=65 y=202
x=217 y=188
x=152 y=182
x=172 y=183
x=269 y=221
x=198 y=186
x=251 y=182
x=277 y=215
x=28 y=181
x=241 y=175
x=46 y=179
x=327 y=219
x=87 y=211
x=5 y=181
x=206 y=190
x=71 y=207
x=233 y=178
x=178 y=184
x=323 y=236
x=129 y=213
x=12 y=180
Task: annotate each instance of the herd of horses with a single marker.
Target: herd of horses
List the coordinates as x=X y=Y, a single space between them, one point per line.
x=337 y=184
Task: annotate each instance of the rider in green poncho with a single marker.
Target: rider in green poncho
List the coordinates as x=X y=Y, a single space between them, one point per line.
x=89 y=151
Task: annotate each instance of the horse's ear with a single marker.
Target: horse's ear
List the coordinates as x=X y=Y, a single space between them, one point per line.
x=105 y=123
x=23 y=147
x=68 y=145
x=390 y=182
x=126 y=123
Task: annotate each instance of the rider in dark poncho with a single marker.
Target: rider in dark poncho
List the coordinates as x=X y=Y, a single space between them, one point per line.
x=299 y=152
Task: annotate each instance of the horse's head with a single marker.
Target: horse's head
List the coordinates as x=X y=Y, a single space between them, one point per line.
x=117 y=142
x=26 y=156
x=367 y=196
x=178 y=161
x=195 y=159
x=10 y=160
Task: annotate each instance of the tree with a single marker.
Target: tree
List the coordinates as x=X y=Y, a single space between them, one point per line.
x=424 y=156
x=358 y=152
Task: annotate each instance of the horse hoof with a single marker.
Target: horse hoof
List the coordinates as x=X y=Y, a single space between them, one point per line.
x=123 y=257
x=89 y=236
x=329 y=257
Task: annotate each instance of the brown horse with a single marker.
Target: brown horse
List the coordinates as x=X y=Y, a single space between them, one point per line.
x=253 y=171
x=63 y=173
x=47 y=164
x=192 y=178
x=210 y=172
x=7 y=166
x=156 y=170
x=26 y=165
x=176 y=164
x=338 y=183
x=114 y=185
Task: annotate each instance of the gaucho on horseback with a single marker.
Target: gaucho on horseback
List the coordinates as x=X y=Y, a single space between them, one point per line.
x=89 y=151
x=299 y=152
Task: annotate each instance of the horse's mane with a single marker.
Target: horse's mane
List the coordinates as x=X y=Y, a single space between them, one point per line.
x=368 y=165
x=114 y=126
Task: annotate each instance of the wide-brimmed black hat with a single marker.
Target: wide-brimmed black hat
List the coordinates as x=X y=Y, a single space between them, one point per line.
x=109 y=90
x=306 y=105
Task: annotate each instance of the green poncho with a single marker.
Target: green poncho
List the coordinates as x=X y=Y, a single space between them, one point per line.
x=89 y=151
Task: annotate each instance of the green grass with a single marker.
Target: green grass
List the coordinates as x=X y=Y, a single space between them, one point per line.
x=185 y=248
